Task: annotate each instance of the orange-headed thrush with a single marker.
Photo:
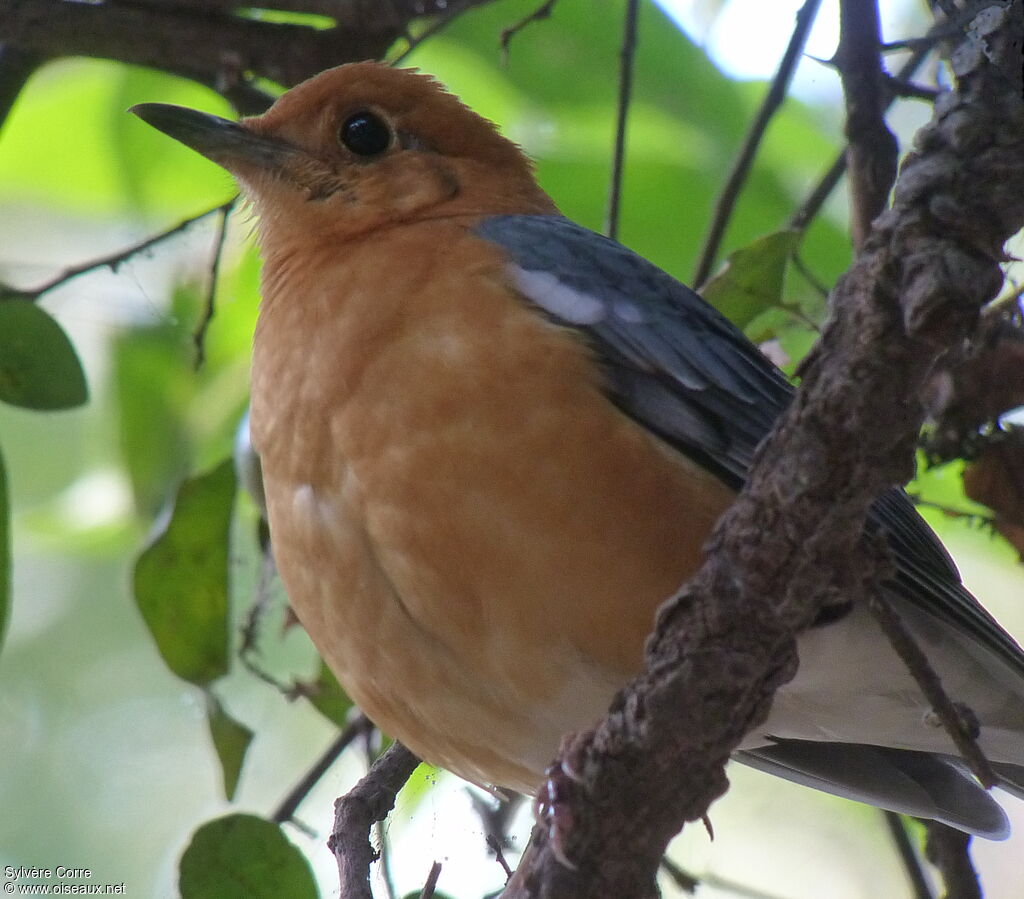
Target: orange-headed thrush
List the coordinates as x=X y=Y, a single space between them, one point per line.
x=494 y=442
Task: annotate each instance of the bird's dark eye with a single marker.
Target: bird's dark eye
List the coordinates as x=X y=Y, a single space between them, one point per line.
x=365 y=134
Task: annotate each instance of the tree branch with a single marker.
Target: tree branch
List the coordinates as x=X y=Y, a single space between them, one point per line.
x=745 y=159
x=871 y=147
x=355 y=813
x=357 y=727
x=947 y=849
x=794 y=536
x=209 y=43
x=911 y=863
x=112 y=260
x=626 y=56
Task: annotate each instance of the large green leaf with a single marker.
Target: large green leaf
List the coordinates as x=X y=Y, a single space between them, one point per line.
x=231 y=741
x=155 y=384
x=243 y=857
x=38 y=365
x=181 y=579
x=327 y=697
x=751 y=279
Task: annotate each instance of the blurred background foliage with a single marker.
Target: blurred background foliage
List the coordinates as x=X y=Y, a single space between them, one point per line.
x=108 y=759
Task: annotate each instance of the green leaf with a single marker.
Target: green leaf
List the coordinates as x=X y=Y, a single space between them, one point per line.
x=752 y=278
x=243 y=857
x=231 y=741
x=155 y=384
x=38 y=366
x=181 y=579
x=5 y=553
x=327 y=697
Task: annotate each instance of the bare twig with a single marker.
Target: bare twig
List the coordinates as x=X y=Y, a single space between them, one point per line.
x=811 y=206
x=871 y=147
x=355 y=813
x=908 y=855
x=431 y=883
x=371 y=749
x=741 y=166
x=948 y=849
x=626 y=57
x=199 y=335
x=958 y=722
x=832 y=176
x=689 y=883
x=494 y=844
x=113 y=260
x=496 y=814
x=286 y=810
x=250 y=630
x=213 y=46
x=453 y=11
x=541 y=12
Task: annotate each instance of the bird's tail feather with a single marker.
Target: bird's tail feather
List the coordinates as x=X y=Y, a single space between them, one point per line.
x=911 y=783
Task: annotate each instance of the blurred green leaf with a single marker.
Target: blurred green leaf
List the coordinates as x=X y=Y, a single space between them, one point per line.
x=155 y=385
x=5 y=553
x=244 y=857
x=231 y=740
x=751 y=279
x=181 y=579
x=327 y=697
x=110 y=161
x=39 y=368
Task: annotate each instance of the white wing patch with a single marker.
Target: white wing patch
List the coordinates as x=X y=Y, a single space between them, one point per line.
x=557 y=298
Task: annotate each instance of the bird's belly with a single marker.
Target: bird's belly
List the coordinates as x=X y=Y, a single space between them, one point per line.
x=481 y=594
x=490 y=707
x=474 y=536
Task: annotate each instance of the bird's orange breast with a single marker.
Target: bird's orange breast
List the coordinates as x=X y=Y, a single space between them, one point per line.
x=474 y=536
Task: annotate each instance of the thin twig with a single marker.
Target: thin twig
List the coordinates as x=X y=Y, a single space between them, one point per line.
x=286 y=810
x=958 y=722
x=494 y=844
x=726 y=201
x=355 y=813
x=811 y=206
x=626 y=57
x=948 y=849
x=199 y=335
x=431 y=882
x=371 y=748
x=908 y=855
x=113 y=260
x=438 y=25
x=871 y=147
x=541 y=12
x=250 y=630
x=689 y=883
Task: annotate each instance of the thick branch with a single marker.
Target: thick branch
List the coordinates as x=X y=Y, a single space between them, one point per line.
x=793 y=538
x=207 y=42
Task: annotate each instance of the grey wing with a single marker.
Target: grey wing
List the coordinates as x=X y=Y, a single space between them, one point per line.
x=673 y=362
x=685 y=372
x=682 y=370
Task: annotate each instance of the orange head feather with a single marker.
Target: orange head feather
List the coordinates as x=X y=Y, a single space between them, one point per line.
x=359 y=147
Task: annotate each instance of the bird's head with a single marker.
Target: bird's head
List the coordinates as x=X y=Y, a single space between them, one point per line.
x=358 y=147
